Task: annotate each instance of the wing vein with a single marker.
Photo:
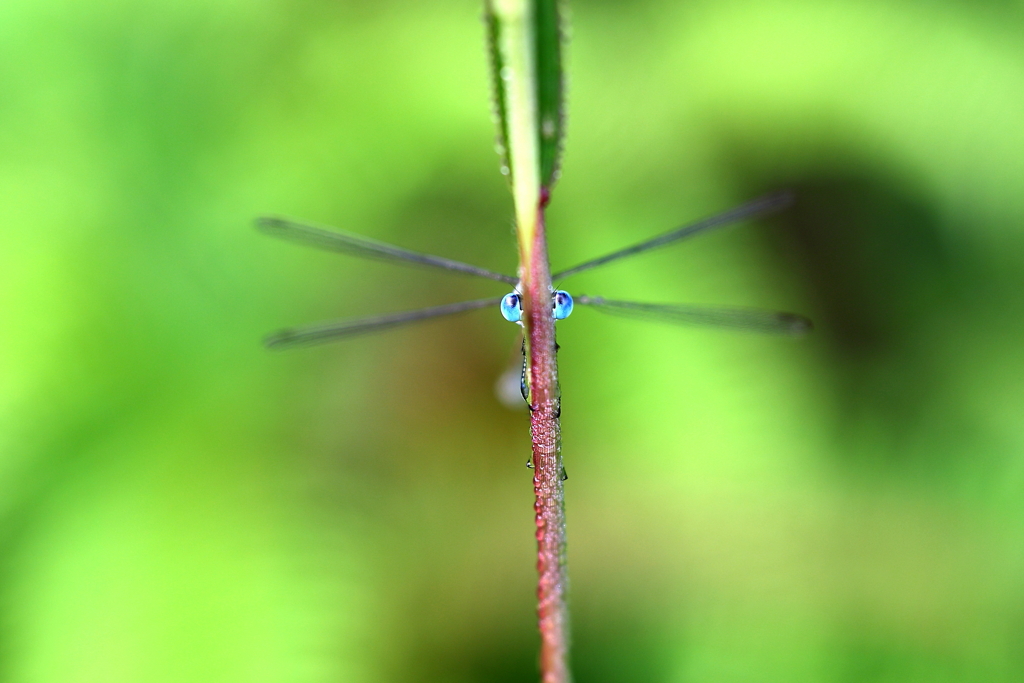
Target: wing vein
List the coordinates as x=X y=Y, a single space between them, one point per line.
x=328 y=331
x=749 y=319
x=336 y=240
x=768 y=203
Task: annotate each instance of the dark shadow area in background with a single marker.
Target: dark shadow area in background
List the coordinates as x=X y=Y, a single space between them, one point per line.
x=496 y=653
x=610 y=644
x=870 y=254
x=616 y=644
x=872 y=257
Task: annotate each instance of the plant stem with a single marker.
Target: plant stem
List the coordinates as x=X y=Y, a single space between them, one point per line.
x=525 y=41
x=545 y=432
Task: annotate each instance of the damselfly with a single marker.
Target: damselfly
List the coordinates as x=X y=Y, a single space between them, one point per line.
x=510 y=305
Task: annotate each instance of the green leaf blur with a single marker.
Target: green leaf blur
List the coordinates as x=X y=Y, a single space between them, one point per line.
x=179 y=504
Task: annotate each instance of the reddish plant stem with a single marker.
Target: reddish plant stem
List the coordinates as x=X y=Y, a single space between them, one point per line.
x=545 y=432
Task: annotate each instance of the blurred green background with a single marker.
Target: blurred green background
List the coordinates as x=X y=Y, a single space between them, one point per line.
x=178 y=504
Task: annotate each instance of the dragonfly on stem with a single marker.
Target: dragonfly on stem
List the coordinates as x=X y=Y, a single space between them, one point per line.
x=510 y=305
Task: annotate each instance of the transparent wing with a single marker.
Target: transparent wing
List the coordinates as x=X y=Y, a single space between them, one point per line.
x=323 y=332
x=749 y=319
x=335 y=240
x=772 y=202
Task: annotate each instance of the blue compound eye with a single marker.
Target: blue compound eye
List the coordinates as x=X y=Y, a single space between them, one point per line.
x=562 y=304
x=510 y=308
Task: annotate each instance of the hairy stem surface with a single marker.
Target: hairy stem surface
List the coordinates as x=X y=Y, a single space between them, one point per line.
x=545 y=432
